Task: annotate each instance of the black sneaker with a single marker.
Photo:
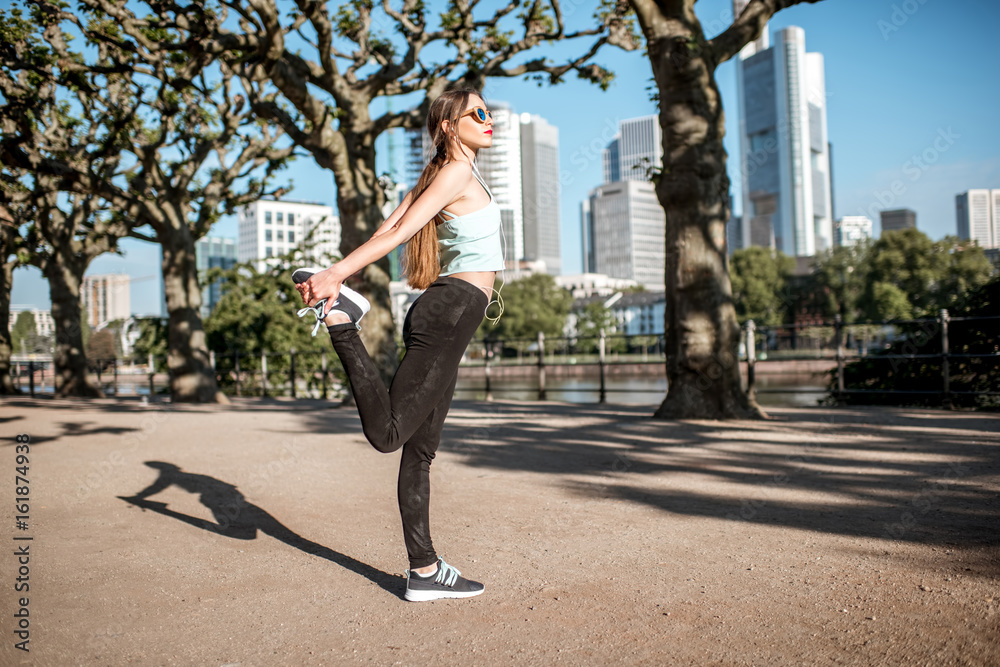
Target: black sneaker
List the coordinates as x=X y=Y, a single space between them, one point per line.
x=447 y=582
x=349 y=302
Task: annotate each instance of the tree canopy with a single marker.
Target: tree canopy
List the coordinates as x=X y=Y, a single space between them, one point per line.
x=760 y=285
x=901 y=275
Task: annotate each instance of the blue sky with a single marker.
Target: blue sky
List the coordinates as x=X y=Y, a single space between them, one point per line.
x=913 y=109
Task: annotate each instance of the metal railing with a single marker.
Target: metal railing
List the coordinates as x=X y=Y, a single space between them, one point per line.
x=314 y=374
x=927 y=329
x=576 y=351
x=818 y=342
x=311 y=374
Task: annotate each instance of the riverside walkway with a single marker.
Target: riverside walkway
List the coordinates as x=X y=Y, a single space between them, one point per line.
x=266 y=533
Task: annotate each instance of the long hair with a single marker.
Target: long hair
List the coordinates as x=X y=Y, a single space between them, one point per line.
x=421 y=263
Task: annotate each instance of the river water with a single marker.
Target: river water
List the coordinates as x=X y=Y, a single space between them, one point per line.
x=792 y=391
x=627 y=391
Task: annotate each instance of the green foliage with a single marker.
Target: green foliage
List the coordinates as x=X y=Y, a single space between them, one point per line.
x=889 y=302
x=84 y=329
x=965 y=269
x=540 y=20
x=907 y=259
x=451 y=19
x=152 y=341
x=258 y=313
x=348 y=19
x=21 y=39
x=532 y=304
x=971 y=376
x=840 y=278
x=759 y=278
x=592 y=320
x=901 y=275
x=22 y=334
x=500 y=39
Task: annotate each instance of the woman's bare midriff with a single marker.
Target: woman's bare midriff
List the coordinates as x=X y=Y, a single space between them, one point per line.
x=481 y=279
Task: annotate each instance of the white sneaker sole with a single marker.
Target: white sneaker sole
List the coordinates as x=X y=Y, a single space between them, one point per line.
x=427 y=596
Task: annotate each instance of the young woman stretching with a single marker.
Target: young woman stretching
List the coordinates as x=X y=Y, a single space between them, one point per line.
x=450 y=223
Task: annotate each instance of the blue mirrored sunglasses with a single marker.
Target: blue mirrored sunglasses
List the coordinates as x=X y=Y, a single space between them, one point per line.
x=479 y=114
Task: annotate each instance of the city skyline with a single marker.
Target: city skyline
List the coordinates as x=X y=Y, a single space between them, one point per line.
x=901 y=137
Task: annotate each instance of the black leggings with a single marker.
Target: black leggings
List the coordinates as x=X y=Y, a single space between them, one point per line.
x=410 y=414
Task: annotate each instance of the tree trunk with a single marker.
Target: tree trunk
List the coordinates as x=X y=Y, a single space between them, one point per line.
x=359 y=203
x=192 y=378
x=6 y=280
x=702 y=334
x=69 y=358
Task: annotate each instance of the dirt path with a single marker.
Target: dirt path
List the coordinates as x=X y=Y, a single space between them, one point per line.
x=270 y=536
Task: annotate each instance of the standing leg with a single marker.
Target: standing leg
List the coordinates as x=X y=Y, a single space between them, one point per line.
x=414 y=485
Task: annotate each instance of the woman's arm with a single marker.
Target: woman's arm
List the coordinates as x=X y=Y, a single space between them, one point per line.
x=395 y=215
x=445 y=189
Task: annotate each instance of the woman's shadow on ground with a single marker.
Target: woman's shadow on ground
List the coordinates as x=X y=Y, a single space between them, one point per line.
x=240 y=519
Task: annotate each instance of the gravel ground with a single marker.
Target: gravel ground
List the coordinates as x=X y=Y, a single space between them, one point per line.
x=269 y=535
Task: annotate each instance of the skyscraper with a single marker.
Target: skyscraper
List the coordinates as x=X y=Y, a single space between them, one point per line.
x=636 y=148
x=734 y=234
x=269 y=228
x=540 y=192
x=630 y=223
x=213 y=252
x=622 y=221
x=612 y=162
x=978 y=217
x=587 y=237
x=900 y=218
x=784 y=150
x=105 y=298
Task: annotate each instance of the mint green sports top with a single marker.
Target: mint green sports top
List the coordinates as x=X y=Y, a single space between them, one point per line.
x=472 y=242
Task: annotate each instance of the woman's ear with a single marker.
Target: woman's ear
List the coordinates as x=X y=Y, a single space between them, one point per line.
x=445 y=126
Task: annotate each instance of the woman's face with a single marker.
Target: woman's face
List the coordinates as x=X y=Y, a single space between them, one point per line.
x=472 y=132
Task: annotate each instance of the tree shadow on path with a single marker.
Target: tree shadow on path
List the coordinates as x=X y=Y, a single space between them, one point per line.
x=240 y=519
x=916 y=476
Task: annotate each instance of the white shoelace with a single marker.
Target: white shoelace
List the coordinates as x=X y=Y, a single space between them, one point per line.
x=446 y=574
x=316 y=310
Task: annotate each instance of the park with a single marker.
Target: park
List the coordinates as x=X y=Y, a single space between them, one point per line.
x=211 y=497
